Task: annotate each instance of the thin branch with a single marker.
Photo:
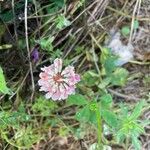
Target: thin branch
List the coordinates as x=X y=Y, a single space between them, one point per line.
x=14 y=15
x=133 y=19
x=123 y=95
x=28 y=50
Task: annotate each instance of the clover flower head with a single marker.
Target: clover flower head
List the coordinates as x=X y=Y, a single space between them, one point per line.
x=57 y=83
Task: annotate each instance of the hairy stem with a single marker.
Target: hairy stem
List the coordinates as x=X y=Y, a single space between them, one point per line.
x=99 y=127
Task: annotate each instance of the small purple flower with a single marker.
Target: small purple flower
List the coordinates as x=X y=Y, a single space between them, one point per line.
x=35 y=54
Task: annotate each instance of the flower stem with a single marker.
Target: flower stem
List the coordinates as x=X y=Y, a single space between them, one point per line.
x=127 y=143
x=99 y=128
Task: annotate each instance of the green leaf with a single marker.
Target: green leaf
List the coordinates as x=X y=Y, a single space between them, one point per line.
x=108 y=61
x=86 y=115
x=90 y=78
x=21 y=114
x=55 y=6
x=46 y=44
x=6 y=46
x=3 y=29
x=110 y=118
x=120 y=136
x=104 y=83
x=119 y=77
x=106 y=101
x=7 y=16
x=125 y=30
x=77 y=99
x=61 y=22
x=137 y=110
x=59 y=3
x=124 y=111
x=136 y=24
x=83 y=114
x=136 y=143
x=44 y=106
x=26 y=137
x=3 y=88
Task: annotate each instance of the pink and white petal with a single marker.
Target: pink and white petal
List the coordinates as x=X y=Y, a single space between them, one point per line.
x=48 y=95
x=77 y=77
x=61 y=88
x=51 y=81
x=70 y=81
x=58 y=65
x=45 y=69
x=68 y=71
x=71 y=90
x=51 y=70
x=42 y=88
x=42 y=82
x=43 y=76
x=54 y=88
x=65 y=86
x=56 y=96
x=64 y=95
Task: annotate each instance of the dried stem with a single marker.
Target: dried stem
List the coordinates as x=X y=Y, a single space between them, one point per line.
x=28 y=50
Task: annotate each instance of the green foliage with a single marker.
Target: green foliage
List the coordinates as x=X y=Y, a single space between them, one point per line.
x=24 y=126
x=129 y=127
x=110 y=118
x=119 y=77
x=6 y=46
x=77 y=99
x=125 y=30
x=7 y=16
x=13 y=118
x=7 y=120
x=86 y=115
x=136 y=24
x=88 y=112
x=46 y=44
x=104 y=83
x=63 y=131
x=21 y=114
x=59 y=3
x=108 y=61
x=114 y=75
x=61 y=22
x=25 y=137
x=3 y=87
x=43 y=107
x=3 y=29
x=90 y=78
x=106 y=101
x=55 y=6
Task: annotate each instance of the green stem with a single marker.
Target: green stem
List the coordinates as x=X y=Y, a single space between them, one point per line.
x=99 y=127
x=127 y=143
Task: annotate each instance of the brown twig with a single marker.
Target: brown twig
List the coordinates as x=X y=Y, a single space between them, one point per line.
x=123 y=95
x=28 y=50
